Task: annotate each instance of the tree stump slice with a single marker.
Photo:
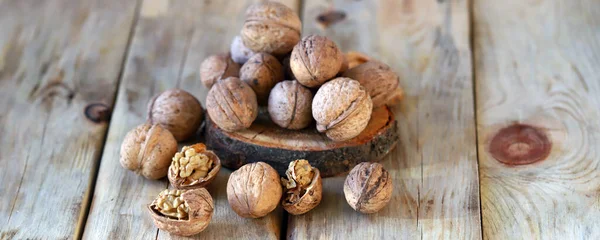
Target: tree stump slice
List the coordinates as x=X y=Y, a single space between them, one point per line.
x=265 y=141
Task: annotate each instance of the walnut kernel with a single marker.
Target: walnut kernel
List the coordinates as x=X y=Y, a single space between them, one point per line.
x=147 y=150
x=368 y=187
x=182 y=212
x=193 y=167
x=303 y=187
x=254 y=190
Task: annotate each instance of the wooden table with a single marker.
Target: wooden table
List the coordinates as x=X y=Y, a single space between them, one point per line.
x=469 y=68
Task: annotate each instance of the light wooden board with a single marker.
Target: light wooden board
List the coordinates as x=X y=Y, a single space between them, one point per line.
x=434 y=167
x=537 y=63
x=170 y=41
x=56 y=57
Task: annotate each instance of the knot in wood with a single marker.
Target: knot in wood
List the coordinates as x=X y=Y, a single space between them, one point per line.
x=97 y=112
x=520 y=144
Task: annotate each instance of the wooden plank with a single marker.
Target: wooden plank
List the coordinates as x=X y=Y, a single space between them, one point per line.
x=56 y=57
x=170 y=41
x=537 y=65
x=434 y=167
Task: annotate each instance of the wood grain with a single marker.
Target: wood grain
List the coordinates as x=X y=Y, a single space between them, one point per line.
x=170 y=41
x=56 y=57
x=537 y=65
x=434 y=167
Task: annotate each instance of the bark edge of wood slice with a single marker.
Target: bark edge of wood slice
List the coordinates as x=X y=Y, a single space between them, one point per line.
x=264 y=141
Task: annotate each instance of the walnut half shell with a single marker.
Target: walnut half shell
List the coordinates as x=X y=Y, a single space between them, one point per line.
x=303 y=186
x=193 y=167
x=368 y=187
x=182 y=212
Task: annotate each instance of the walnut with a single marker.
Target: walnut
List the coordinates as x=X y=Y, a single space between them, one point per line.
x=368 y=187
x=261 y=72
x=177 y=111
x=342 y=108
x=271 y=27
x=355 y=58
x=182 y=212
x=193 y=167
x=315 y=60
x=379 y=80
x=216 y=67
x=240 y=53
x=290 y=105
x=254 y=190
x=147 y=150
x=231 y=104
x=303 y=187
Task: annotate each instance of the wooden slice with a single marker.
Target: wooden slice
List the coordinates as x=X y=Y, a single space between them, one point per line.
x=264 y=141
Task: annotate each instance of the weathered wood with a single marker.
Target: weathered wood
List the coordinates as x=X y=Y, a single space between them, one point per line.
x=434 y=166
x=537 y=71
x=170 y=41
x=266 y=142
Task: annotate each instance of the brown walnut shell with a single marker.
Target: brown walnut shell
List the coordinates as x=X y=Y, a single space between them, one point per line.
x=147 y=150
x=342 y=108
x=231 y=104
x=177 y=111
x=355 y=58
x=200 y=211
x=217 y=67
x=290 y=105
x=261 y=72
x=379 y=80
x=368 y=187
x=190 y=182
x=254 y=190
x=315 y=60
x=271 y=27
x=239 y=52
x=309 y=196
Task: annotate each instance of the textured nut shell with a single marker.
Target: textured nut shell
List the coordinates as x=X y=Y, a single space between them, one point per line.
x=342 y=109
x=200 y=213
x=239 y=52
x=290 y=105
x=177 y=111
x=231 y=104
x=179 y=183
x=217 y=67
x=271 y=27
x=355 y=58
x=254 y=190
x=261 y=72
x=315 y=60
x=368 y=187
x=379 y=80
x=147 y=150
x=310 y=199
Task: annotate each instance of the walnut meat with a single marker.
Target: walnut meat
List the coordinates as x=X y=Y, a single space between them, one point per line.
x=254 y=190
x=303 y=187
x=147 y=150
x=290 y=105
x=315 y=60
x=182 y=212
x=368 y=187
x=177 y=111
x=239 y=52
x=261 y=72
x=193 y=167
x=231 y=104
x=342 y=108
x=271 y=27
x=216 y=67
x=379 y=80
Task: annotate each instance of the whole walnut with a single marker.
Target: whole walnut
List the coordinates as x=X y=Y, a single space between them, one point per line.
x=261 y=72
x=290 y=105
x=147 y=150
x=231 y=104
x=271 y=27
x=216 y=67
x=315 y=60
x=379 y=80
x=355 y=58
x=182 y=212
x=303 y=187
x=368 y=187
x=254 y=190
x=177 y=111
x=239 y=52
x=342 y=108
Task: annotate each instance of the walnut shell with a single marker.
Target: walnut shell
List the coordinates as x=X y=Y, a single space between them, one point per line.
x=342 y=108
x=261 y=72
x=177 y=111
x=368 y=187
x=200 y=208
x=271 y=27
x=300 y=196
x=379 y=80
x=147 y=150
x=355 y=58
x=315 y=60
x=254 y=190
x=290 y=105
x=239 y=52
x=217 y=67
x=231 y=104
x=199 y=175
